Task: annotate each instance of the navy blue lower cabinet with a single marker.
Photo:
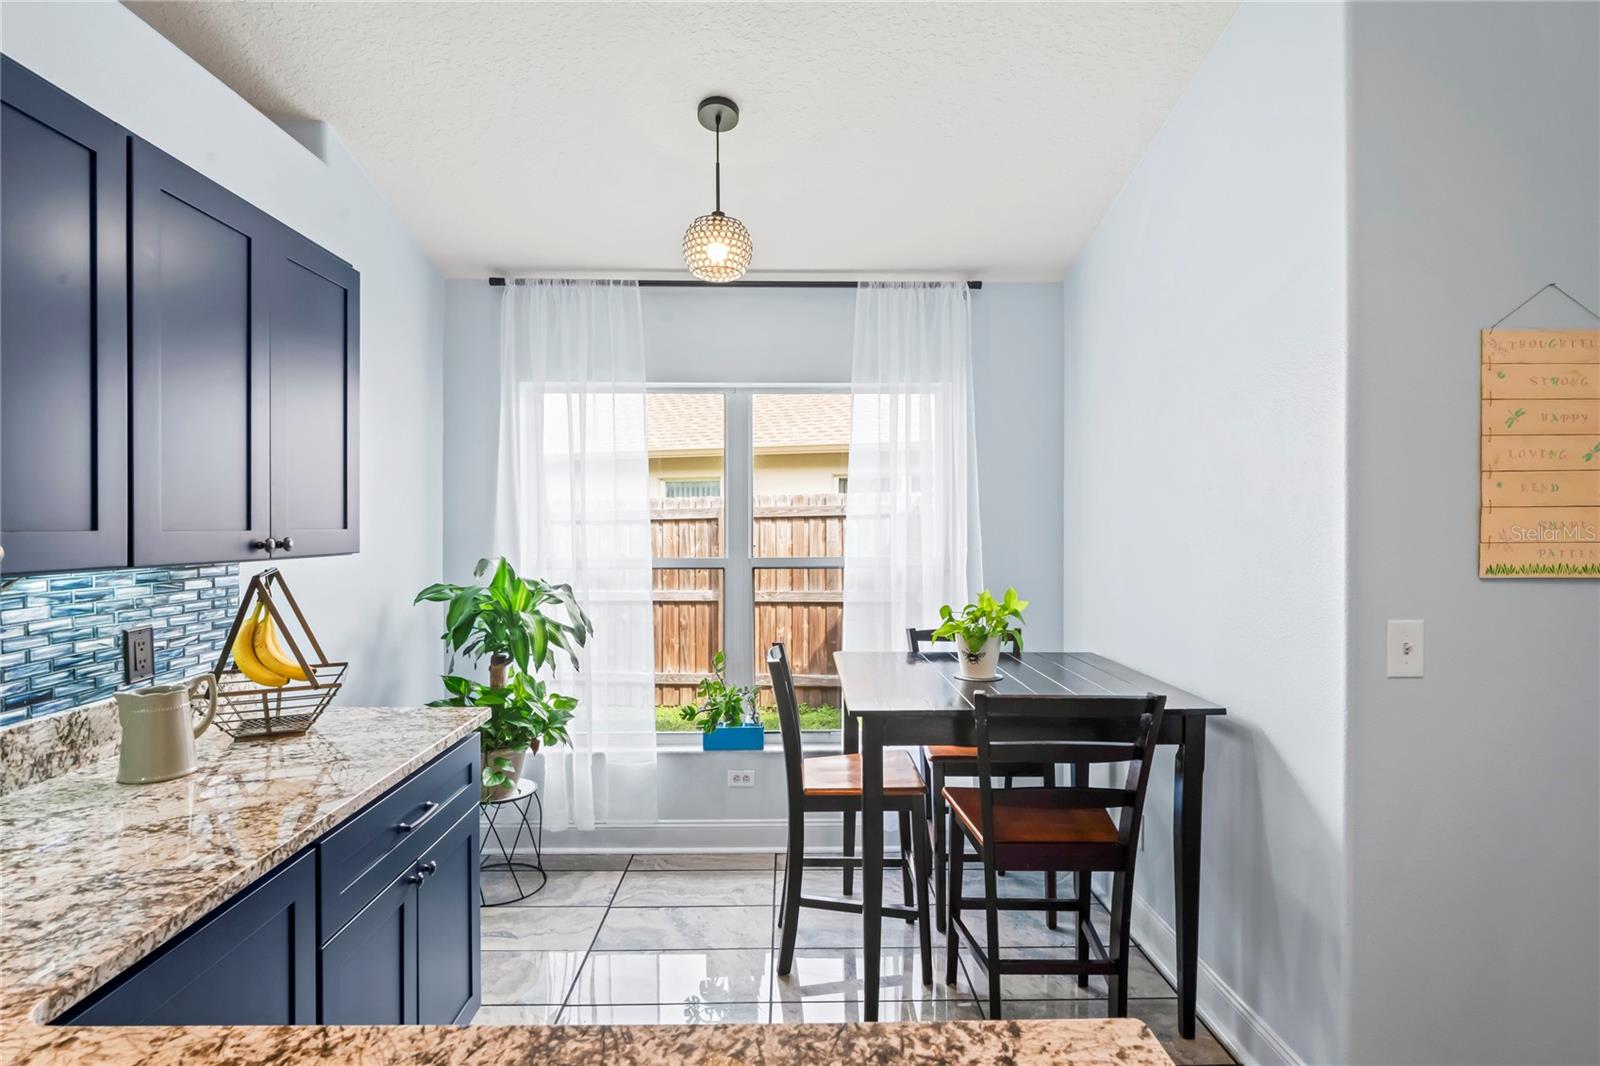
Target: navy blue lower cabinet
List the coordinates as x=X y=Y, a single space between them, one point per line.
x=369 y=968
x=449 y=974
x=251 y=962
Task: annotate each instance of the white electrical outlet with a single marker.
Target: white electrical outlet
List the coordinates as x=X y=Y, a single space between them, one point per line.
x=741 y=779
x=1405 y=647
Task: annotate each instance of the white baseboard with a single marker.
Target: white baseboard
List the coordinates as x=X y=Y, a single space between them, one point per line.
x=824 y=833
x=1234 y=1022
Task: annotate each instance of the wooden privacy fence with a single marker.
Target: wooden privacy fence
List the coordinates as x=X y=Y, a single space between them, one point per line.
x=801 y=606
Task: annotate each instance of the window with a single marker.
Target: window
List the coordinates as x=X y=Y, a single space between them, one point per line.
x=692 y=488
x=842 y=484
x=748 y=551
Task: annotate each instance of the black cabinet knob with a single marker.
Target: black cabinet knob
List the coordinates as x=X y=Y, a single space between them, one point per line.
x=263 y=545
x=287 y=544
x=430 y=867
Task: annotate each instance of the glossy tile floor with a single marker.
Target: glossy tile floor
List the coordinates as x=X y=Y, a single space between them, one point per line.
x=675 y=939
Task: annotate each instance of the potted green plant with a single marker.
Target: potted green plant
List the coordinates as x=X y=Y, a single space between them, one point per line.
x=726 y=714
x=523 y=715
x=979 y=630
x=519 y=624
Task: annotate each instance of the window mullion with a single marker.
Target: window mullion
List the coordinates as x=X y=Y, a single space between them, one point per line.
x=738 y=581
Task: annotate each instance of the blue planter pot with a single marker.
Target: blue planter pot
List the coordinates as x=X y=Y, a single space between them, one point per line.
x=735 y=738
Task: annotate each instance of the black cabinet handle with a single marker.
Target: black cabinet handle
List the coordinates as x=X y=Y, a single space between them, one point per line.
x=415 y=879
x=427 y=812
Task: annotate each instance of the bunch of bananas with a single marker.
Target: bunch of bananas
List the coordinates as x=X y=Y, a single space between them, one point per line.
x=259 y=656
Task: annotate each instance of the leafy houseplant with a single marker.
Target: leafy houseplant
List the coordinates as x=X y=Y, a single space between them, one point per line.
x=727 y=707
x=523 y=714
x=979 y=630
x=520 y=624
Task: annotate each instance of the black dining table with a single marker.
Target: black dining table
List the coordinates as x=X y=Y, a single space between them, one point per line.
x=914 y=698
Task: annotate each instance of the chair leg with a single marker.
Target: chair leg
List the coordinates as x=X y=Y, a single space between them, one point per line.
x=991 y=922
x=906 y=865
x=936 y=776
x=793 y=871
x=920 y=849
x=849 y=851
x=1082 y=887
x=1050 y=893
x=1121 y=915
x=1081 y=911
x=958 y=847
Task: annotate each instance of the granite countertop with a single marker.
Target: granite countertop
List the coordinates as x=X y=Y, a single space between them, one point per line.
x=95 y=875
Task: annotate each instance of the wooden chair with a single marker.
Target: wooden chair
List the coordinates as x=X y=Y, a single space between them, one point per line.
x=940 y=761
x=832 y=783
x=1054 y=829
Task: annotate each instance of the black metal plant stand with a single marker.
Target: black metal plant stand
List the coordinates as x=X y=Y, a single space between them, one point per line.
x=521 y=871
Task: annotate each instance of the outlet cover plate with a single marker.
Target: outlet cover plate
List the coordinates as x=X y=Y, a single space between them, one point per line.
x=138 y=654
x=741 y=779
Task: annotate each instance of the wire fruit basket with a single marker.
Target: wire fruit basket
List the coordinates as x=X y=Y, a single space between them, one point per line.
x=250 y=710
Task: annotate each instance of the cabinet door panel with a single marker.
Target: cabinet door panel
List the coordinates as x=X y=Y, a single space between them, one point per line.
x=63 y=330
x=254 y=962
x=448 y=966
x=200 y=367
x=369 y=970
x=315 y=326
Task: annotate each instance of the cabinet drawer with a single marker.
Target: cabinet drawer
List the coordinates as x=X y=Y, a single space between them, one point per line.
x=361 y=857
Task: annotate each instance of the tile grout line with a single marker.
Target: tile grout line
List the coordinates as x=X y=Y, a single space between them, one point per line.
x=772 y=948
x=589 y=951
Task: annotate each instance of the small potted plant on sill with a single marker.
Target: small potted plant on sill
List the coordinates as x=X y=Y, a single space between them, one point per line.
x=979 y=630
x=519 y=624
x=726 y=714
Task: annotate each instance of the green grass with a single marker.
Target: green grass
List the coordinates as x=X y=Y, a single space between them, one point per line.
x=1543 y=570
x=823 y=717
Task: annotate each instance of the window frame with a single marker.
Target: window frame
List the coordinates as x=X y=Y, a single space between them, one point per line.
x=737 y=562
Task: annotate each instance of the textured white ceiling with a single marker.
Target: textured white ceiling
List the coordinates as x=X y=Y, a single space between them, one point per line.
x=983 y=140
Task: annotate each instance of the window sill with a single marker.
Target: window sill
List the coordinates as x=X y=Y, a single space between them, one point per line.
x=813 y=742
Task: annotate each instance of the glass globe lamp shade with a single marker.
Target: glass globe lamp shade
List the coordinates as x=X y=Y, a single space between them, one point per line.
x=716 y=247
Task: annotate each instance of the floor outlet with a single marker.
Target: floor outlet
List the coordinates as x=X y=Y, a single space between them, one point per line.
x=741 y=779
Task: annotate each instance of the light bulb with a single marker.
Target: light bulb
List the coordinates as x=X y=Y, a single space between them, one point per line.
x=717 y=252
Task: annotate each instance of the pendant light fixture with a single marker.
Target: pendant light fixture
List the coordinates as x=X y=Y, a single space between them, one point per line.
x=716 y=247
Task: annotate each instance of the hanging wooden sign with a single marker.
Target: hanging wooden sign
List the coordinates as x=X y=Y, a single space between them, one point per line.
x=1539 y=503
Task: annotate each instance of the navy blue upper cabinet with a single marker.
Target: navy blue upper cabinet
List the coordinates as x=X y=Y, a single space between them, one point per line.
x=178 y=370
x=315 y=320
x=201 y=377
x=63 y=330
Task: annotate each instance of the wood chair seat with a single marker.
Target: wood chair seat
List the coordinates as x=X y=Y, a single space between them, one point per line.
x=1032 y=816
x=936 y=752
x=840 y=775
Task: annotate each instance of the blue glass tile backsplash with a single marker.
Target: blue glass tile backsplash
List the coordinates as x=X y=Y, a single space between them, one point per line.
x=61 y=634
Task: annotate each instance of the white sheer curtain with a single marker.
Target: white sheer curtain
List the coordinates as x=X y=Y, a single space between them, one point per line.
x=911 y=535
x=573 y=506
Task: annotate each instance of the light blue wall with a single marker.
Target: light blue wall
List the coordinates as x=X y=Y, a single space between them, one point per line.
x=803 y=335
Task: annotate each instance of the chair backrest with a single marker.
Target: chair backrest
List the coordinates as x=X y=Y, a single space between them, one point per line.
x=916 y=638
x=1071 y=729
x=788 y=726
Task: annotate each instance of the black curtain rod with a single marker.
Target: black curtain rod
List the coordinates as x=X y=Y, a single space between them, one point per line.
x=686 y=283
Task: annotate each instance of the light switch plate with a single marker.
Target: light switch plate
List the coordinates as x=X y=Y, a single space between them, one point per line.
x=1405 y=647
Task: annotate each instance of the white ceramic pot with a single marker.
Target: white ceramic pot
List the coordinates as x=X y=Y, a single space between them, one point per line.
x=982 y=664
x=517 y=757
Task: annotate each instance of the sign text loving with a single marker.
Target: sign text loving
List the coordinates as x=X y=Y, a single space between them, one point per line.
x=1539 y=510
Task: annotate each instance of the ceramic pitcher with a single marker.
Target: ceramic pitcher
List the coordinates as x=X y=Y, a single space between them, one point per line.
x=159 y=727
